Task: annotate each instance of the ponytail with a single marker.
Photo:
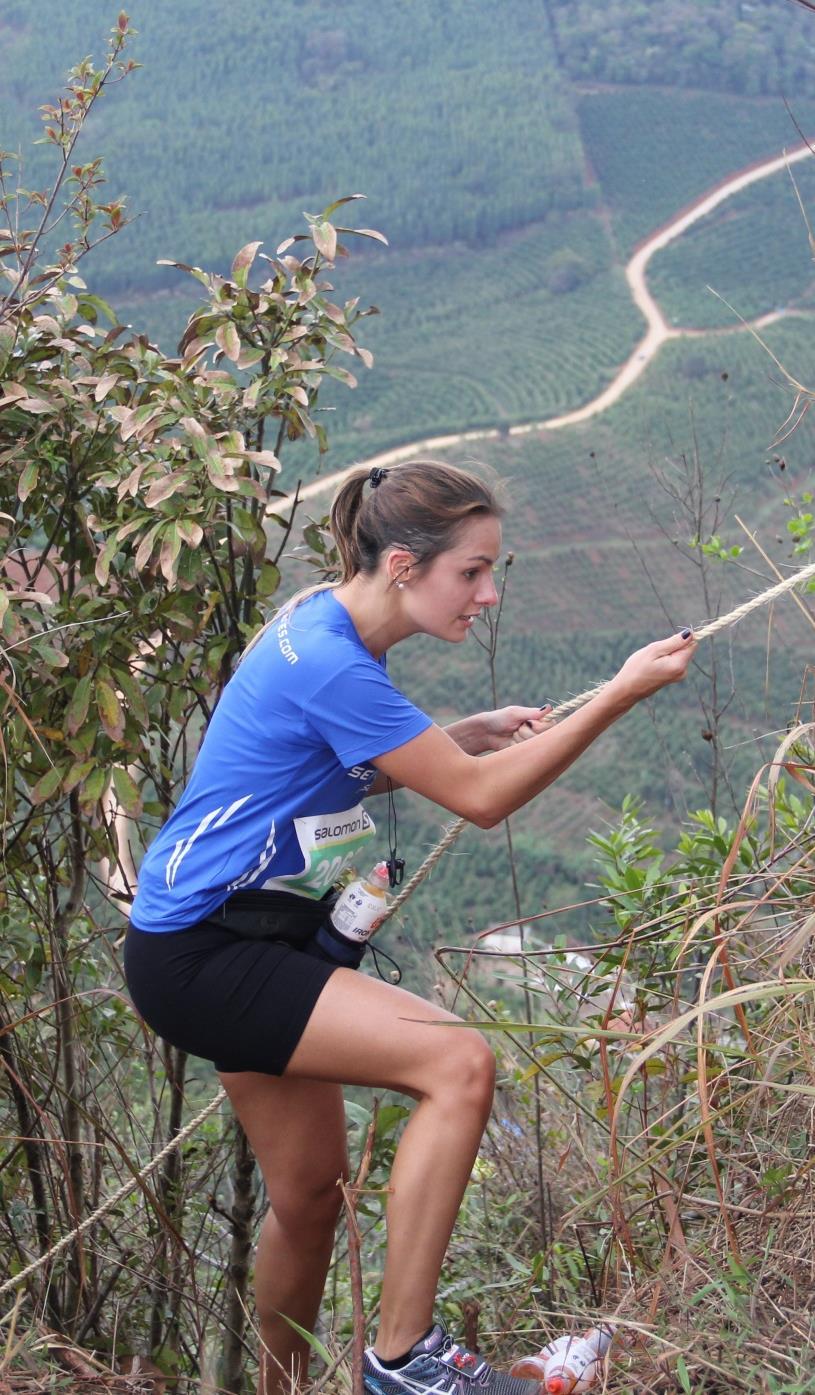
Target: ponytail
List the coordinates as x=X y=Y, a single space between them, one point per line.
x=344 y=523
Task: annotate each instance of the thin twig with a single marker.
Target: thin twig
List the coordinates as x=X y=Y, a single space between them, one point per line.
x=349 y=1196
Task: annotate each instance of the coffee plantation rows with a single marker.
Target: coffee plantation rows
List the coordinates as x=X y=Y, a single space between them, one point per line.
x=753 y=250
x=653 y=149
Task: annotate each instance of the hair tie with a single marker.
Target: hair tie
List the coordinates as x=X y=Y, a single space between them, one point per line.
x=376 y=476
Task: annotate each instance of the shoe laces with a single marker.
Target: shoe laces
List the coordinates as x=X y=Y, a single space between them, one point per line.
x=469 y=1371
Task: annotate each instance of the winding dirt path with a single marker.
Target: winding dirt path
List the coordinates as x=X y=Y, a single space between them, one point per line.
x=658 y=332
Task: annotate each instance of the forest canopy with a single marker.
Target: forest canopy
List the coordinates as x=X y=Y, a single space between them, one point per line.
x=758 y=47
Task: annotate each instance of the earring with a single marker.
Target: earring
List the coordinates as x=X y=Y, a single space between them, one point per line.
x=400 y=585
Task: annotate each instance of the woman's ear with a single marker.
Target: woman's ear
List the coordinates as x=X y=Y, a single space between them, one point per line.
x=398 y=564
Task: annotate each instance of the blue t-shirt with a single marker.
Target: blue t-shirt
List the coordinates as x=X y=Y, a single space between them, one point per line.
x=274 y=800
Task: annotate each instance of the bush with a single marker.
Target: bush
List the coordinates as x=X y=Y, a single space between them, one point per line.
x=564 y=271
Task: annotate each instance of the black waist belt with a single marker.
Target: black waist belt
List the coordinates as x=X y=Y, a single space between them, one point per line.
x=273 y=915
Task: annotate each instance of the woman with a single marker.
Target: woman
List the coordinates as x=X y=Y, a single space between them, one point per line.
x=220 y=965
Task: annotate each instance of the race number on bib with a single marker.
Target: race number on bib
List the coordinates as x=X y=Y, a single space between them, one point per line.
x=329 y=843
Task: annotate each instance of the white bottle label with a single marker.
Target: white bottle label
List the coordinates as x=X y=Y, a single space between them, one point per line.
x=357 y=912
x=578 y=1363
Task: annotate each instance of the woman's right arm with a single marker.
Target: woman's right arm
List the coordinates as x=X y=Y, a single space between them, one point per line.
x=487 y=788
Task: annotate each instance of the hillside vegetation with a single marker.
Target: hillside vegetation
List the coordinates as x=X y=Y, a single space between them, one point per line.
x=489 y=168
x=727 y=251
x=236 y=125
x=654 y=150
x=754 y=48
x=604 y=562
x=654 y=1168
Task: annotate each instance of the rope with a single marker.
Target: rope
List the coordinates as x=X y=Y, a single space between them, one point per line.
x=452 y=833
x=722 y=622
x=123 y=1191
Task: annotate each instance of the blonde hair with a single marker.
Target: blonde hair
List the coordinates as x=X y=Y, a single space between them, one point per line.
x=419 y=506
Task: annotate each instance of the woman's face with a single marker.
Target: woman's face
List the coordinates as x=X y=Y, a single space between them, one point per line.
x=444 y=598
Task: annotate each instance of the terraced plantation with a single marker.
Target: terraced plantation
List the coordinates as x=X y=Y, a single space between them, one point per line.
x=654 y=150
x=597 y=571
x=754 y=250
x=544 y=312
x=476 y=336
x=481 y=337
x=502 y=295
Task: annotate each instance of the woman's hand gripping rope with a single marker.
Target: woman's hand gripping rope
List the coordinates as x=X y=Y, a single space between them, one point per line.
x=514 y=724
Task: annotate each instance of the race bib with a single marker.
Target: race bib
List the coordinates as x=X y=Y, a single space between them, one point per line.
x=329 y=843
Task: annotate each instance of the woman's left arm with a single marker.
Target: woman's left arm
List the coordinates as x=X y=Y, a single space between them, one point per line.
x=488 y=731
x=492 y=731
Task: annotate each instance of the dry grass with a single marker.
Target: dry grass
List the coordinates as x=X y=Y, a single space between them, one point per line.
x=655 y=1170
x=681 y=1144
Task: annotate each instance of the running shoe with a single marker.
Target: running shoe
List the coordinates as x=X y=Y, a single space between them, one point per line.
x=440 y=1366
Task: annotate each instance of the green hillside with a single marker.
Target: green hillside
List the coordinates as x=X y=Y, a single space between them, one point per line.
x=486 y=337
x=236 y=124
x=514 y=157
x=654 y=150
x=752 y=48
x=510 y=189
x=597 y=572
x=753 y=250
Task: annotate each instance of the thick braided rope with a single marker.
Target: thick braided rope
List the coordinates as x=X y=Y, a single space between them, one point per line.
x=123 y=1191
x=722 y=622
x=450 y=836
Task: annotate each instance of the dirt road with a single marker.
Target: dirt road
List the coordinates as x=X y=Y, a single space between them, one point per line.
x=657 y=332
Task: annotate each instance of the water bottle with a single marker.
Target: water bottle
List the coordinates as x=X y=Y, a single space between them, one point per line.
x=361 y=905
x=356 y=913
x=570 y=1364
x=534 y=1367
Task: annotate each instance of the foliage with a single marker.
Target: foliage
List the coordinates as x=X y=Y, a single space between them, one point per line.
x=565 y=271
x=544 y=352
x=754 y=49
x=147 y=483
x=141 y=546
x=63 y=125
x=674 y=1053
x=714 y=547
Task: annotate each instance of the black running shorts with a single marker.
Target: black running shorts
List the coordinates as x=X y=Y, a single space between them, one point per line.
x=241 y=1003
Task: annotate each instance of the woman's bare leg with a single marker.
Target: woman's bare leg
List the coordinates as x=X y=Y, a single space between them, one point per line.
x=363 y=1032
x=296 y=1129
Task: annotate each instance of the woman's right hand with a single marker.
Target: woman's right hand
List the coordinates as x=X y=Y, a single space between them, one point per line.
x=654 y=666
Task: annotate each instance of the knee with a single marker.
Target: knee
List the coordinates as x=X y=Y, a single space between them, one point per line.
x=467 y=1071
x=308 y=1209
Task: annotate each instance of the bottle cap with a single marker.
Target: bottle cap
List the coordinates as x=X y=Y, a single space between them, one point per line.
x=556 y=1385
x=380 y=874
